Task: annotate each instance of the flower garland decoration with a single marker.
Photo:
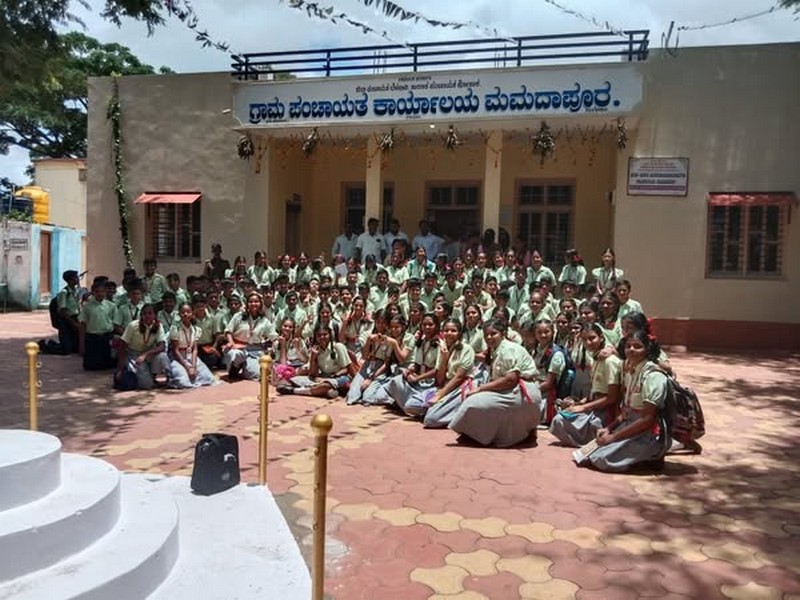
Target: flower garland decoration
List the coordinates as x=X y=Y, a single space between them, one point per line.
x=114 y=115
x=310 y=143
x=386 y=142
x=622 y=134
x=544 y=143
x=245 y=147
x=451 y=140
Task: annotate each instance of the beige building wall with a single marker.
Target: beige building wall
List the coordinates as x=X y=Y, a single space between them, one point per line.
x=175 y=139
x=65 y=180
x=734 y=112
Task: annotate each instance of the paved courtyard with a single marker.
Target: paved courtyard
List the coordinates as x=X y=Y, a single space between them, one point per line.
x=414 y=515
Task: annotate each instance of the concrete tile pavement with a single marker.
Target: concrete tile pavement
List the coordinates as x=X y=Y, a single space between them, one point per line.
x=414 y=515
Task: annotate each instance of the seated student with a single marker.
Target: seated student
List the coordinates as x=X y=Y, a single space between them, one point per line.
x=506 y=409
x=293 y=310
x=609 y=317
x=327 y=374
x=289 y=351
x=185 y=370
x=564 y=336
x=580 y=420
x=452 y=288
x=356 y=327
x=155 y=284
x=376 y=358
x=607 y=275
x=430 y=287
x=247 y=334
x=638 y=435
x=132 y=309
x=473 y=330
x=142 y=349
x=401 y=345
x=538 y=271
x=505 y=315
x=324 y=317
x=518 y=292
x=409 y=388
x=482 y=297
x=627 y=305
x=550 y=362
x=207 y=341
x=260 y=271
x=536 y=310
x=638 y=322
x=454 y=370
x=174 y=284
x=379 y=292
x=573 y=269
x=111 y=291
x=345 y=304
x=128 y=277
x=68 y=304
x=97 y=329
x=168 y=315
x=412 y=296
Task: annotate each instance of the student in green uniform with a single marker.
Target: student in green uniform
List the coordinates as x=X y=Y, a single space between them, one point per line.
x=96 y=320
x=142 y=349
x=68 y=304
x=155 y=284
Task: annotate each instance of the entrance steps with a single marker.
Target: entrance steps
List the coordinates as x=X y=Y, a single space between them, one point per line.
x=74 y=527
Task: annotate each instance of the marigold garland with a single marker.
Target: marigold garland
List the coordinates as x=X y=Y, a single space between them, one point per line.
x=114 y=115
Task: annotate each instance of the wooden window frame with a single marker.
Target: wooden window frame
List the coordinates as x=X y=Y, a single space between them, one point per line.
x=386 y=217
x=178 y=231
x=544 y=209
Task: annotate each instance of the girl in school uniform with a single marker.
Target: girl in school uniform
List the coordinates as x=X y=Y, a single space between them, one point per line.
x=550 y=364
x=563 y=323
x=208 y=339
x=639 y=322
x=247 y=333
x=376 y=354
x=401 y=345
x=506 y=409
x=285 y=268
x=609 y=317
x=142 y=349
x=185 y=370
x=356 y=327
x=578 y=423
x=303 y=272
x=538 y=271
x=324 y=318
x=454 y=367
x=328 y=369
x=536 y=310
x=409 y=388
x=289 y=351
x=638 y=435
x=573 y=269
x=607 y=275
x=473 y=330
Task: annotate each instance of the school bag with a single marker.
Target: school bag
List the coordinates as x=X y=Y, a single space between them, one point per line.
x=53 y=308
x=216 y=464
x=564 y=383
x=684 y=415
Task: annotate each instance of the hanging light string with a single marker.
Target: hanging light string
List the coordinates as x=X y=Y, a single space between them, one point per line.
x=732 y=21
x=605 y=25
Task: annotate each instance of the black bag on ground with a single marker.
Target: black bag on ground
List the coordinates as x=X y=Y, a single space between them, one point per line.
x=216 y=463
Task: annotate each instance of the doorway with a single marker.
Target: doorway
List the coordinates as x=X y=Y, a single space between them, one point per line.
x=45 y=247
x=293 y=209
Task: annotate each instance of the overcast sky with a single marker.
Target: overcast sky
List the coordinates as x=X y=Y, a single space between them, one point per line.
x=265 y=25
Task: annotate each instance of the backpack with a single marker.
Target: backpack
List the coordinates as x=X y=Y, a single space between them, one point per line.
x=564 y=383
x=684 y=415
x=216 y=463
x=53 y=308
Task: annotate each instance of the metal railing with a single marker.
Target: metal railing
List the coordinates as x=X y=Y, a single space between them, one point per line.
x=495 y=53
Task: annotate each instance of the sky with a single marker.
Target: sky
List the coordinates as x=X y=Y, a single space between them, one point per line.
x=268 y=25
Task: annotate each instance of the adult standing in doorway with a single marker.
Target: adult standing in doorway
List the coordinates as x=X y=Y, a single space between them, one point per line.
x=345 y=244
x=425 y=239
x=370 y=243
x=216 y=266
x=394 y=233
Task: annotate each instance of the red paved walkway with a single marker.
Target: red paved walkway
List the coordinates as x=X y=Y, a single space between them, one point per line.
x=413 y=515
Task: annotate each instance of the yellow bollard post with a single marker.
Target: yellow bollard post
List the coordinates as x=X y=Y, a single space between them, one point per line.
x=321 y=424
x=265 y=363
x=32 y=349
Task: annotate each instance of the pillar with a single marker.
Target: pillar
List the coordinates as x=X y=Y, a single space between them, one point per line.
x=374 y=182
x=492 y=180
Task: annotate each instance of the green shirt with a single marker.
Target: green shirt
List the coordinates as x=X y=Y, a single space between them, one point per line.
x=462 y=356
x=127 y=313
x=332 y=360
x=508 y=357
x=98 y=316
x=156 y=286
x=67 y=299
x=143 y=342
x=645 y=385
x=247 y=330
x=606 y=372
x=426 y=355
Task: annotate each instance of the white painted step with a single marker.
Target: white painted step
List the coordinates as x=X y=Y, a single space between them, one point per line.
x=29 y=466
x=235 y=545
x=127 y=564
x=79 y=512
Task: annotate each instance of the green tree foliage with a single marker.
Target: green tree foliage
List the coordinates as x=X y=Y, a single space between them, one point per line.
x=48 y=117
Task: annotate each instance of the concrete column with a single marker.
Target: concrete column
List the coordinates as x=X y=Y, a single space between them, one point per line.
x=374 y=180
x=492 y=180
x=256 y=214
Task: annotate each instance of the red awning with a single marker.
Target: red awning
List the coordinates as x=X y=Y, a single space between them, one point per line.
x=752 y=198
x=168 y=198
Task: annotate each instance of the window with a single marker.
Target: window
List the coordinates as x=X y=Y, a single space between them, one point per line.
x=173 y=225
x=355 y=203
x=454 y=208
x=545 y=216
x=746 y=234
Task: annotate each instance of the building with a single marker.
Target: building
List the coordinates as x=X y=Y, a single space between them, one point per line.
x=684 y=162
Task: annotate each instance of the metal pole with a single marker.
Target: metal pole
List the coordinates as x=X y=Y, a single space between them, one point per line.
x=32 y=349
x=321 y=424
x=265 y=363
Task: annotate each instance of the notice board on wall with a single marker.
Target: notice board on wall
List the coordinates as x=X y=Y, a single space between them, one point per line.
x=658 y=176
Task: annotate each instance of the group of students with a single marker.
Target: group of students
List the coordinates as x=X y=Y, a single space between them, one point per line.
x=481 y=344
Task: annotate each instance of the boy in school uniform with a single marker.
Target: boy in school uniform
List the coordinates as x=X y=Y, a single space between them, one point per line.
x=131 y=310
x=413 y=294
x=155 y=284
x=429 y=289
x=168 y=315
x=207 y=342
x=96 y=320
x=68 y=302
x=128 y=276
x=111 y=291
x=174 y=284
x=451 y=289
x=379 y=294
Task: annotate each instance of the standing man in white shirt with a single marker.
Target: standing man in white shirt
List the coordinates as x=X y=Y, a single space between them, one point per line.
x=370 y=242
x=345 y=244
x=425 y=239
x=393 y=234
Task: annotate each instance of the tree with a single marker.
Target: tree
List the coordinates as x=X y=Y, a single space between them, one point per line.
x=48 y=117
